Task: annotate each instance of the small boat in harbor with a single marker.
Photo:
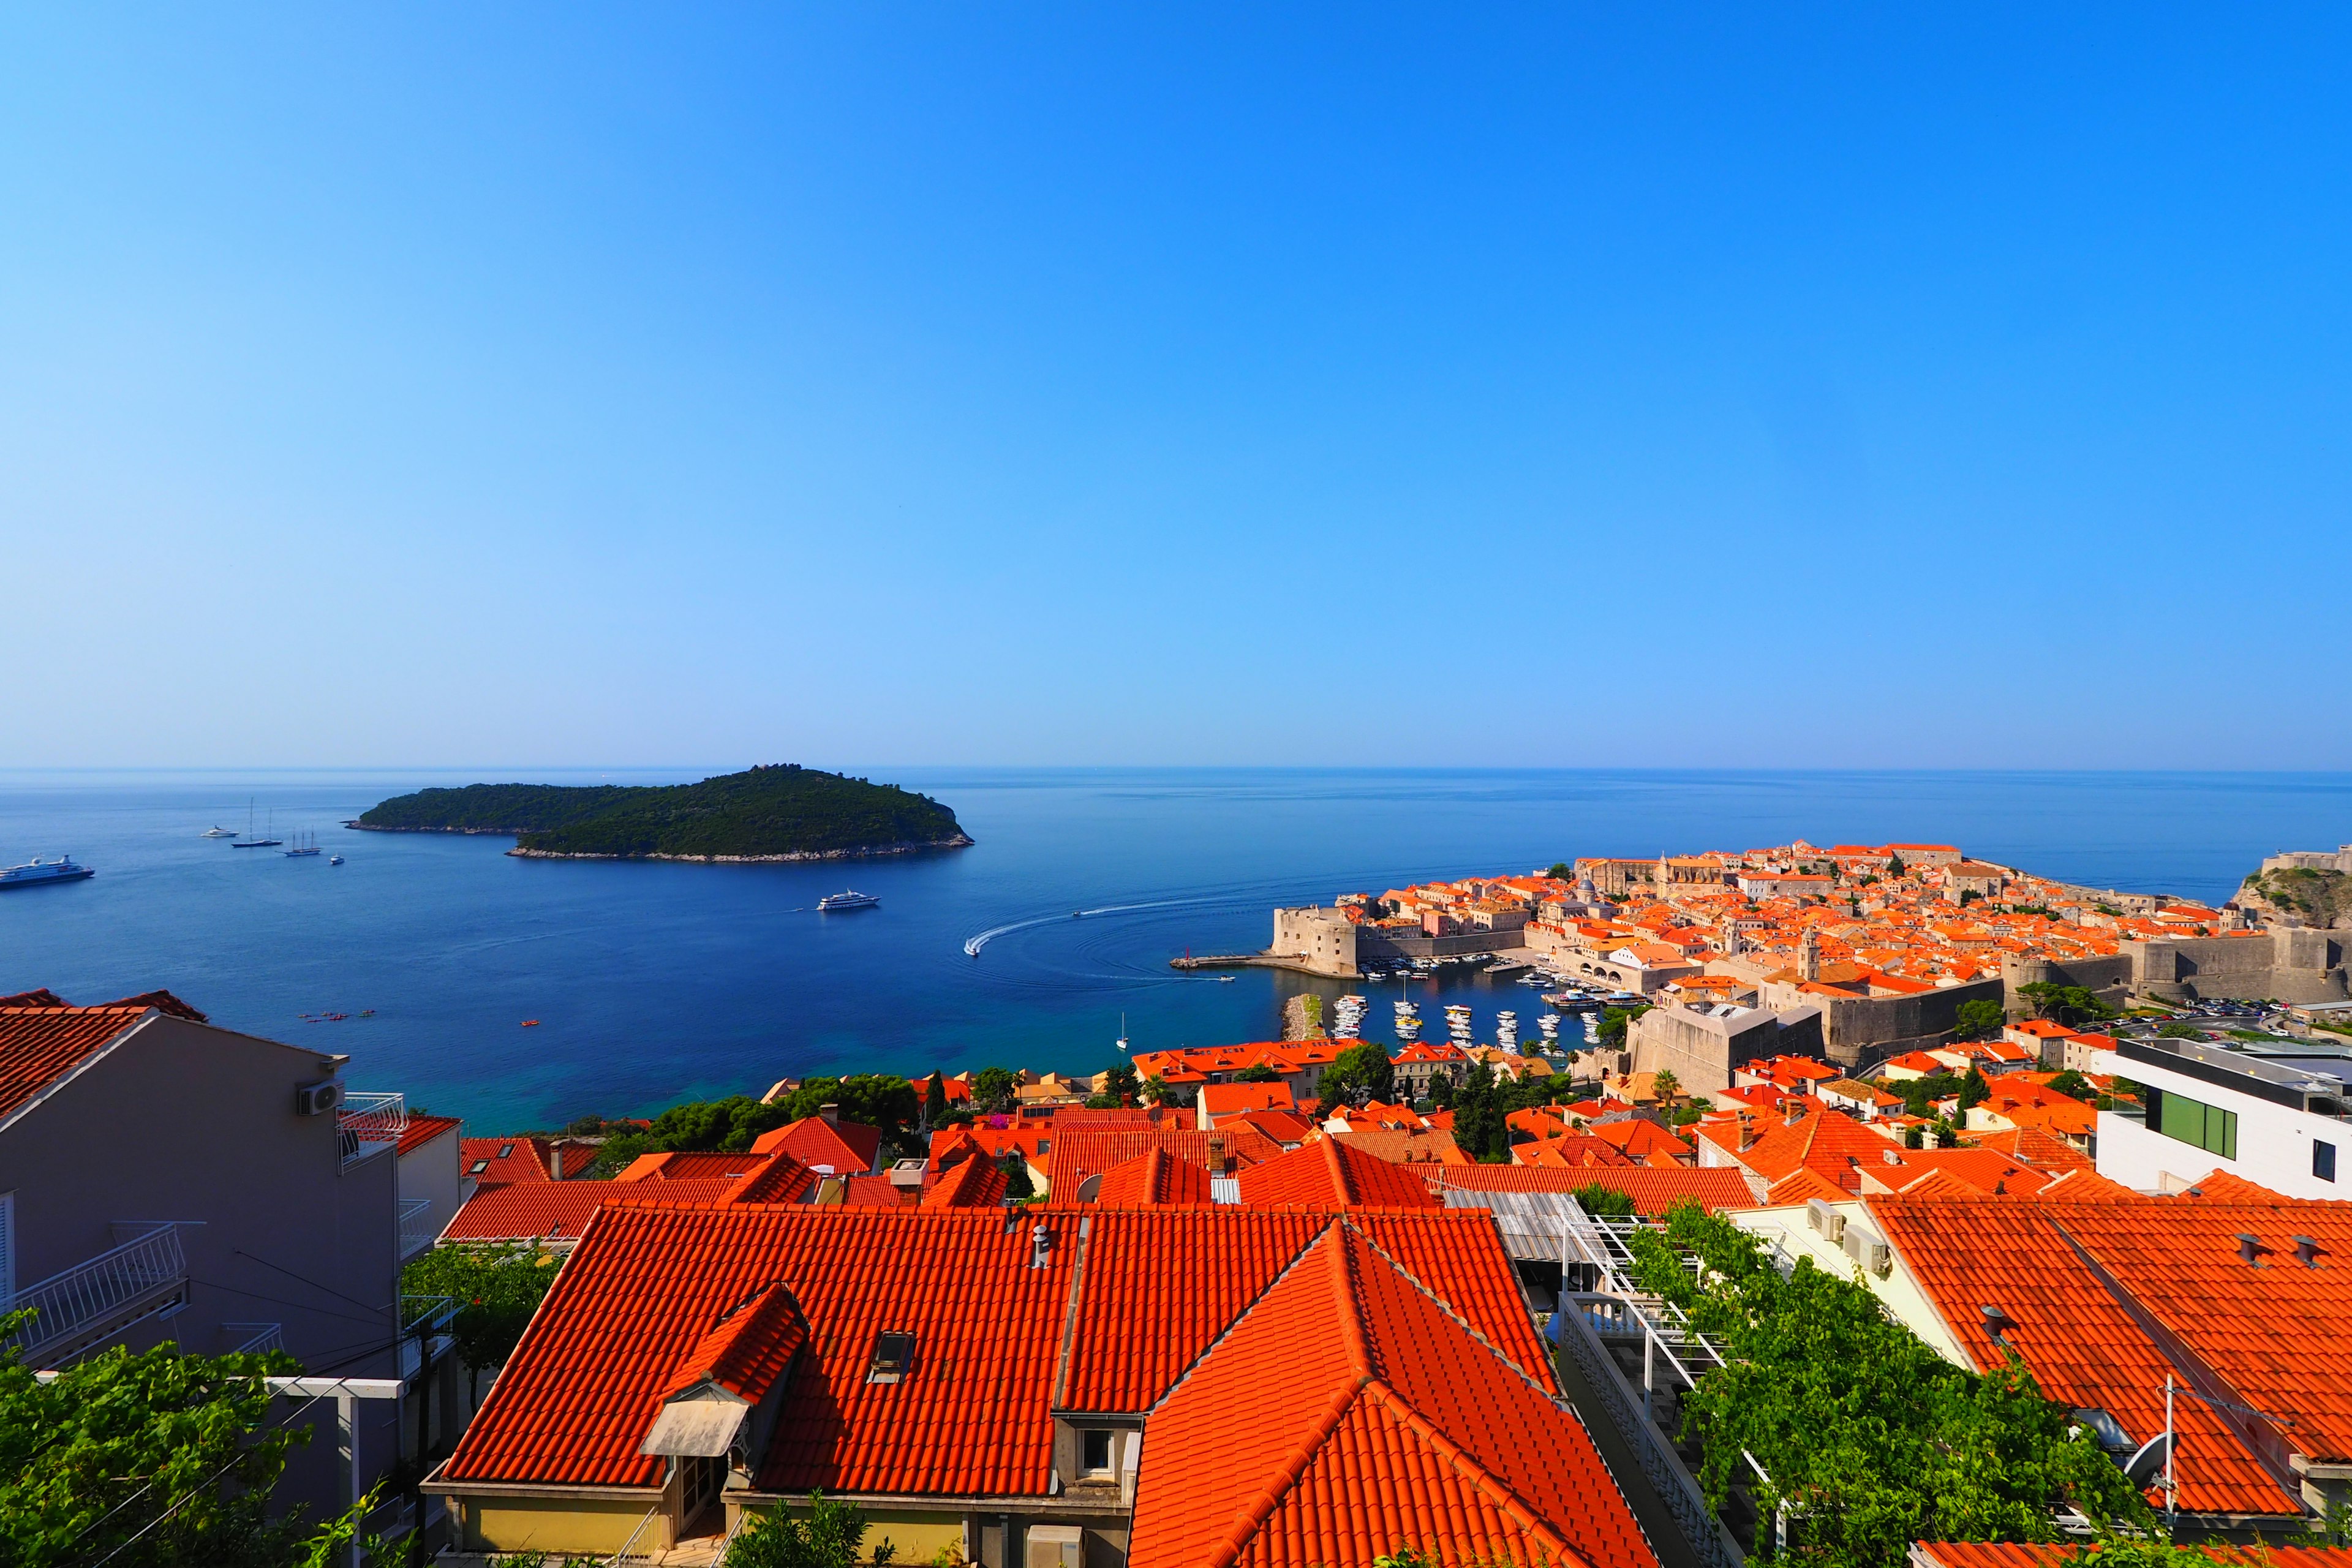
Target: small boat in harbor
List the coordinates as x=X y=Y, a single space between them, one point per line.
x=217 y=833
x=334 y=859
x=852 y=899
x=37 y=872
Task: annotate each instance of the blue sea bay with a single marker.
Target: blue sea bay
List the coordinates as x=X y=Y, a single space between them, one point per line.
x=652 y=982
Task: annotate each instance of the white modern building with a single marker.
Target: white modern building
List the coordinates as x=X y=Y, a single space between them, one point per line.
x=2276 y=1113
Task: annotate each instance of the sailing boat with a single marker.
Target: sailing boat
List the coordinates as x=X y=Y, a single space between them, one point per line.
x=305 y=844
x=1122 y=1031
x=249 y=841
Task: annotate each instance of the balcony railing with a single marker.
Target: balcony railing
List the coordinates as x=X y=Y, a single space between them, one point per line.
x=84 y=1305
x=418 y=1230
x=251 y=1339
x=370 y=1122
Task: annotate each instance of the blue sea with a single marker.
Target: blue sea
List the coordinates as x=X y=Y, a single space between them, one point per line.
x=654 y=981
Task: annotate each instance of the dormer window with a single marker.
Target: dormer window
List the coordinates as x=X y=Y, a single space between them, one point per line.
x=1094 y=1454
x=893 y=1358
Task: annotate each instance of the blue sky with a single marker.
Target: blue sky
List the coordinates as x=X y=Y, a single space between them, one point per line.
x=1523 y=384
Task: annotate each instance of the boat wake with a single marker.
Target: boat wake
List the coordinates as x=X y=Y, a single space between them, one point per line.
x=974 y=944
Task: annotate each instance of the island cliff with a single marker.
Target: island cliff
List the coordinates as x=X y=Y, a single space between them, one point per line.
x=780 y=813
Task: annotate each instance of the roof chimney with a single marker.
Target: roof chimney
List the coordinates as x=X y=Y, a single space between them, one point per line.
x=1999 y=1325
x=555 y=1162
x=2308 y=1252
x=1217 y=1154
x=1041 y=1245
x=832 y=1114
x=2251 y=1249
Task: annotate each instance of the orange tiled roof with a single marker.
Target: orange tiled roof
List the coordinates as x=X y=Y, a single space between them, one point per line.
x=1220 y=1099
x=1077 y=1155
x=973 y=1182
x=423 y=1129
x=748 y=1350
x=1415 y=1146
x=1398 y=1426
x=1157 y=1287
x=1328 y=1174
x=560 y=1211
x=1154 y=1176
x=843 y=1148
x=39 y=1046
x=2057 y=1271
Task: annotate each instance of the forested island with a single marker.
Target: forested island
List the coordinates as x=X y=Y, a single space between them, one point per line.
x=784 y=812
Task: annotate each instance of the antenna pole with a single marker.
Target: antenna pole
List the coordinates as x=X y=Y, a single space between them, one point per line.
x=2171 y=1497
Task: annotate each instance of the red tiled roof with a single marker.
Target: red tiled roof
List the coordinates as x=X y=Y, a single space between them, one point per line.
x=1077 y=1155
x=163 y=1002
x=39 y=1046
x=973 y=1182
x=843 y=1148
x=694 y=1167
x=1281 y=1126
x=520 y=1159
x=423 y=1129
x=865 y=1190
x=1327 y=1173
x=1235 y=1099
x=1653 y=1189
x=2055 y=1270
x=747 y=1350
x=778 y=1179
x=560 y=1211
x=1154 y=1176
x=1155 y=1290
x=1419 y=1147
x=1398 y=1426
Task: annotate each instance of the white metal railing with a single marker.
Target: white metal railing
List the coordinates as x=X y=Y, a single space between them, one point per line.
x=253 y=1339
x=370 y=1122
x=630 y=1545
x=110 y=1291
x=417 y=1228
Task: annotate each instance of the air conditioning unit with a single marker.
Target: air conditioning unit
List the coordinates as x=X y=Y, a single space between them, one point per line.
x=1053 y=1546
x=1823 y=1218
x=1870 y=1251
x=318 y=1099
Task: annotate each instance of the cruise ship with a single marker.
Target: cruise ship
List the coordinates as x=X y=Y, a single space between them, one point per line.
x=850 y=900
x=35 y=872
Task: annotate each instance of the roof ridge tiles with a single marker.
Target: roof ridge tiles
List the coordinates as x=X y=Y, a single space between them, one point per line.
x=1071 y=1306
x=1288 y=1471
x=1446 y=1306
x=1351 y=1308
x=1185 y=1372
x=1490 y=1485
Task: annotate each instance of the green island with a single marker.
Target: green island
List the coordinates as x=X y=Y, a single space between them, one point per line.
x=783 y=812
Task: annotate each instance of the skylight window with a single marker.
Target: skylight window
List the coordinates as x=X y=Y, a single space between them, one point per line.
x=506 y=1151
x=478 y=1167
x=893 y=1358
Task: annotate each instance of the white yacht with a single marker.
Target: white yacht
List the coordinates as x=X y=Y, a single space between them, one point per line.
x=852 y=899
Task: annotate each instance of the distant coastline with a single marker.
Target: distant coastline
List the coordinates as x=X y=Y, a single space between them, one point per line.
x=908 y=846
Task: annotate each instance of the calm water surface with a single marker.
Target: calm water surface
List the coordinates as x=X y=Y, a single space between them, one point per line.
x=654 y=981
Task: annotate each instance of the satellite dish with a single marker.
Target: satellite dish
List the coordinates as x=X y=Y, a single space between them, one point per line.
x=2142 y=1468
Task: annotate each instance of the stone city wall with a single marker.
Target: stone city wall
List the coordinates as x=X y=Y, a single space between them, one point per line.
x=2286 y=965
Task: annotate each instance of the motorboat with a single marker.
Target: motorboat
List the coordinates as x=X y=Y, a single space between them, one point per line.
x=851 y=900
x=218 y=833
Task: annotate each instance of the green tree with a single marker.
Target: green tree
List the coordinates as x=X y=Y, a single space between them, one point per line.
x=1017 y=1182
x=935 y=1099
x=1977 y=1020
x=1974 y=1089
x=995 y=1089
x=147 y=1461
x=496 y=1289
x=882 y=1100
x=2073 y=1086
x=1871 y=1439
x=1561 y=872
x=1364 y=1068
x=1440 y=1090
x=1665 y=1084
x=1895 y=866
x=1157 y=1091
x=1614 y=1022
x=1258 y=1072
x=1480 y=1126
x=1599 y=1200
x=1920 y=1094
x=2067 y=1005
x=1121 y=1083
x=2180 y=1031
x=829 y=1537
